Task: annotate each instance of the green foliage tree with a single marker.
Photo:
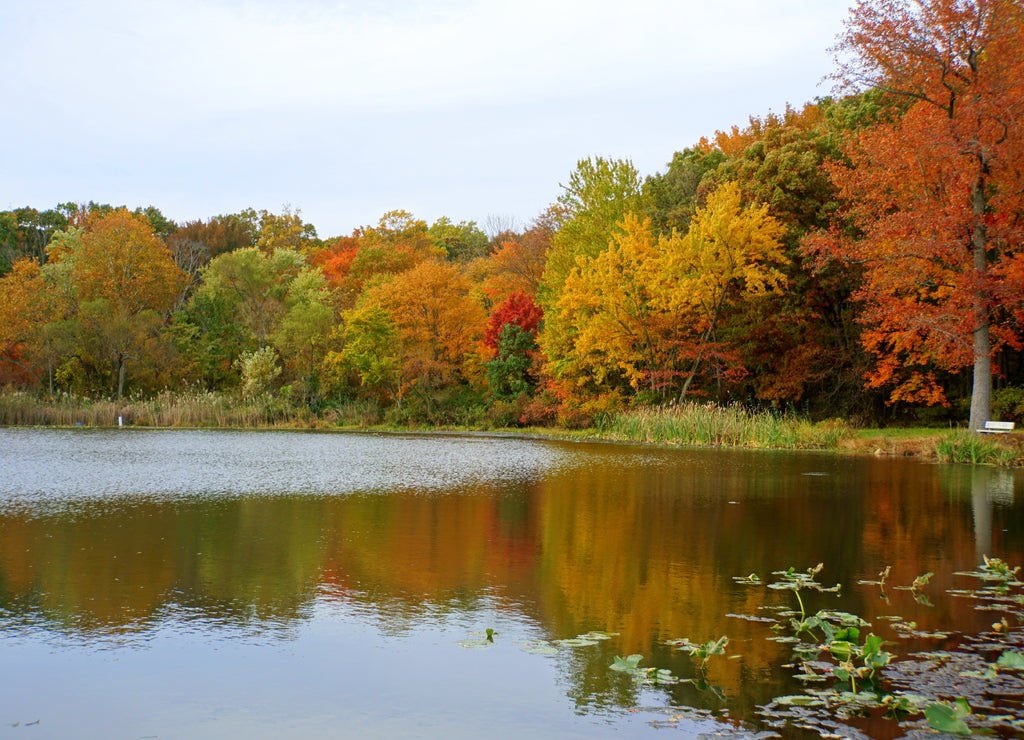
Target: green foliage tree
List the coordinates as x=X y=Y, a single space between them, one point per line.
x=24 y=234
x=370 y=349
x=249 y=300
x=510 y=371
x=461 y=242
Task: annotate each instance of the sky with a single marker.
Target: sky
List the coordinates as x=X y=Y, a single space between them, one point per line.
x=343 y=110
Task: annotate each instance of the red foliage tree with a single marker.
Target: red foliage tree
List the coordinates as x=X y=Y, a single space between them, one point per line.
x=518 y=309
x=935 y=194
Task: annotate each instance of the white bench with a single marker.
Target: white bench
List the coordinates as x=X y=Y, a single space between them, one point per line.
x=997 y=427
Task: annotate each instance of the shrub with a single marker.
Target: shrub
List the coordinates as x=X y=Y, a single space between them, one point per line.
x=1008 y=404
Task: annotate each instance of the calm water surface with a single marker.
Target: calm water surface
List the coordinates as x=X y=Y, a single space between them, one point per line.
x=191 y=584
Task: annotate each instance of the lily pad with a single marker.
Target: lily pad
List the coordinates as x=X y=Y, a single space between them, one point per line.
x=799 y=700
x=945 y=718
x=1011 y=660
x=628 y=663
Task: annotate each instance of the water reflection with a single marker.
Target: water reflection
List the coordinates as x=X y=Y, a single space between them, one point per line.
x=120 y=538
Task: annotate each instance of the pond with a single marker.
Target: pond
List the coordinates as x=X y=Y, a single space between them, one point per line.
x=225 y=584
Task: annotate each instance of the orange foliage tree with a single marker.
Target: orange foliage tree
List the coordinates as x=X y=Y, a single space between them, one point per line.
x=935 y=194
x=426 y=326
x=517 y=265
x=23 y=312
x=125 y=282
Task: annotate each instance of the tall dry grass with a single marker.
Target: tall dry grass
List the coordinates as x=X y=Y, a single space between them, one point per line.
x=167 y=409
x=728 y=426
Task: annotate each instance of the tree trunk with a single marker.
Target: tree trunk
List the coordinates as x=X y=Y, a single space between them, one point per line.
x=122 y=369
x=981 y=391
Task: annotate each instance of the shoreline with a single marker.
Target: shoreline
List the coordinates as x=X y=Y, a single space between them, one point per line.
x=917 y=443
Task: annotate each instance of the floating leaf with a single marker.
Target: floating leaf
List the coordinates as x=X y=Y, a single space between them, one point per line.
x=540 y=650
x=574 y=642
x=628 y=663
x=1011 y=660
x=945 y=718
x=845 y=619
x=799 y=700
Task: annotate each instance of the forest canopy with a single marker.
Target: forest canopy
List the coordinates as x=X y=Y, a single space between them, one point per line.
x=859 y=256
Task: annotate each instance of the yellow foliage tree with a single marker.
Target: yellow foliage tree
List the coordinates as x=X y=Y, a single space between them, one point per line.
x=644 y=306
x=731 y=252
x=617 y=334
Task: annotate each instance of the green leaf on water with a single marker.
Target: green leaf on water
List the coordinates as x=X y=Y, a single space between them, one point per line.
x=1011 y=660
x=945 y=718
x=798 y=700
x=848 y=634
x=872 y=644
x=628 y=663
x=841 y=649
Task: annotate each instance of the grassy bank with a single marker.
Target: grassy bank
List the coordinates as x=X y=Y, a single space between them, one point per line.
x=732 y=426
x=686 y=425
x=190 y=409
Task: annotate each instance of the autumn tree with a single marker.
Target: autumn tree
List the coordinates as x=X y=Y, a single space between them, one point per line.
x=511 y=335
x=644 y=312
x=24 y=310
x=125 y=284
x=801 y=342
x=433 y=326
x=935 y=194
x=249 y=300
x=518 y=261
x=25 y=232
x=607 y=303
x=731 y=252
x=397 y=243
x=594 y=202
x=286 y=230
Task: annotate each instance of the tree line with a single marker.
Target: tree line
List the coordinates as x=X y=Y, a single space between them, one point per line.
x=857 y=256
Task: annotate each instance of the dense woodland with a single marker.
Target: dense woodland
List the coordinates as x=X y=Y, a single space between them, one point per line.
x=859 y=256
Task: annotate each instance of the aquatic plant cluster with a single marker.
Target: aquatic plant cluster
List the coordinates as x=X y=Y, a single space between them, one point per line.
x=851 y=673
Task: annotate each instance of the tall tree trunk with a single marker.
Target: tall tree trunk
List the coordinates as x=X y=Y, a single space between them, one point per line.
x=981 y=391
x=122 y=369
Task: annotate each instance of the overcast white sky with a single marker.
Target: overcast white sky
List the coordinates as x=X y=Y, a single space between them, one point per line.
x=346 y=109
